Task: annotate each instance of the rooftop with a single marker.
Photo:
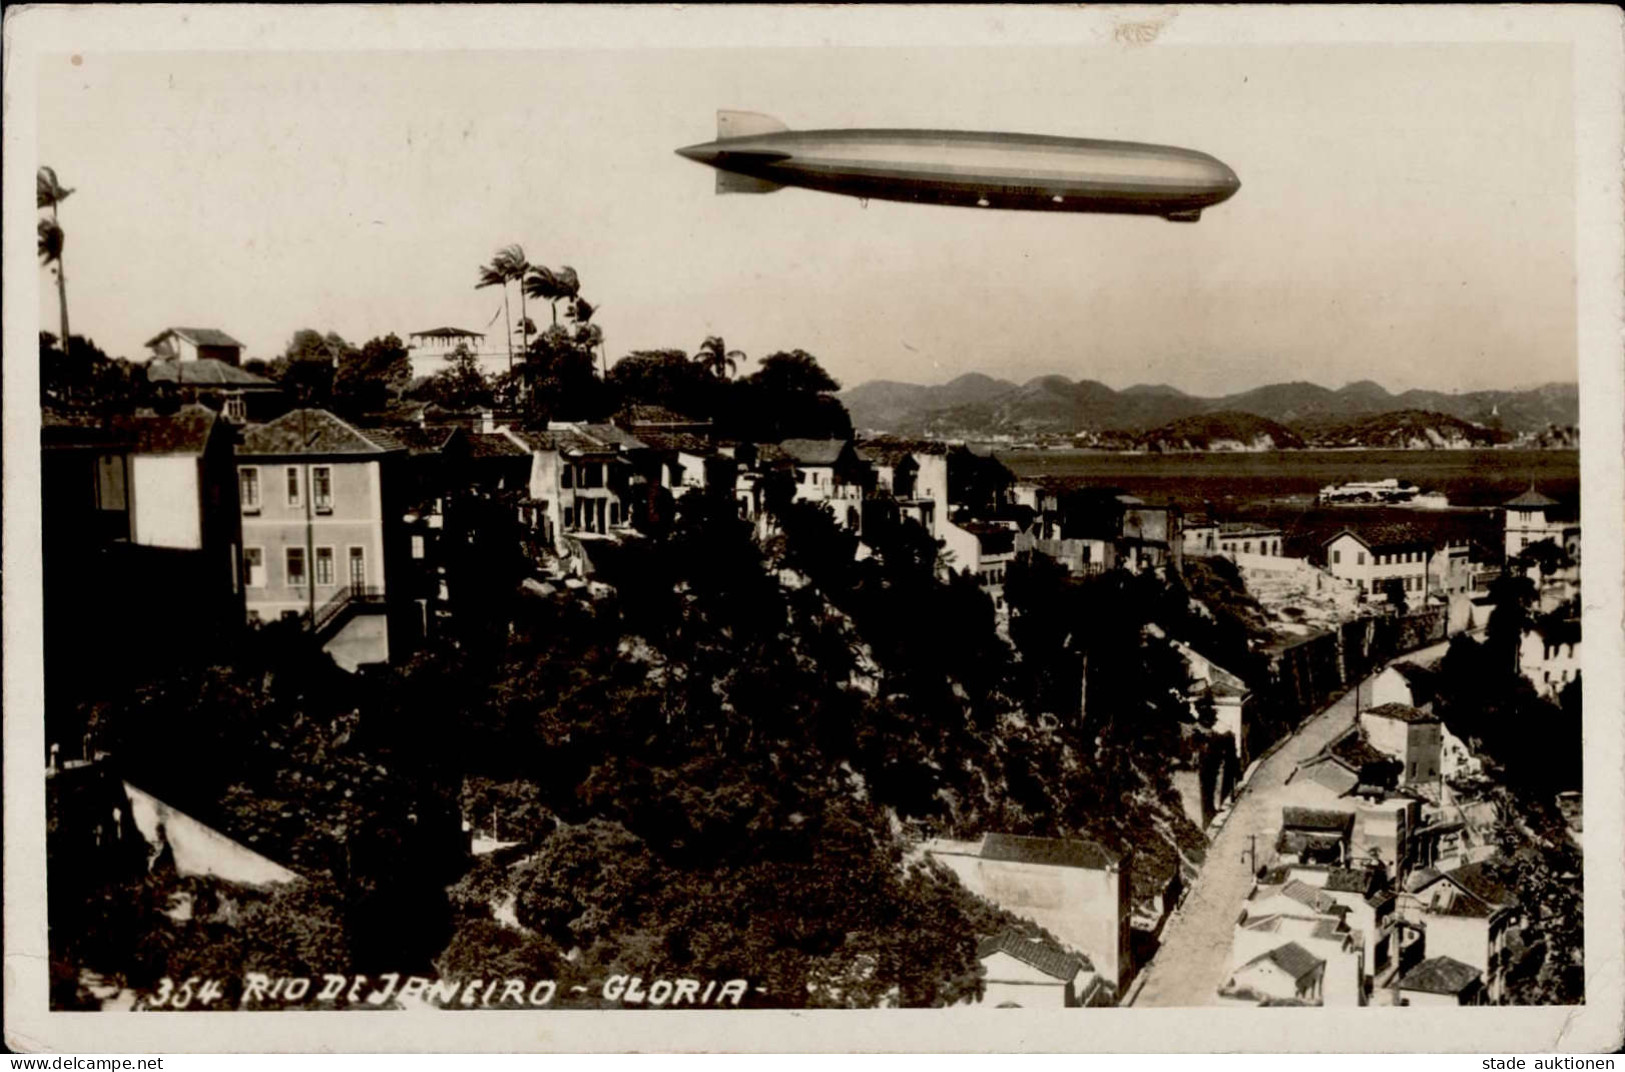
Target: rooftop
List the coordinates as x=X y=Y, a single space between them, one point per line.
x=205 y=370
x=1400 y=713
x=1047 y=957
x=1291 y=958
x=184 y=432
x=813 y=451
x=1380 y=536
x=1316 y=819
x=1531 y=499
x=1309 y=897
x=1053 y=852
x=313 y=431
x=1440 y=975
x=446 y=333
x=196 y=336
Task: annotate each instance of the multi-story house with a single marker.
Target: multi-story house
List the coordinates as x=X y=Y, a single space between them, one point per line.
x=1376 y=555
x=825 y=471
x=132 y=511
x=1078 y=890
x=1243 y=538
x=583 y=483
x=1413 y=737
x=1549 y=656
x=910 y=475
x=204 y=365
x=432 y=349
x=1530 y=519
x=321 y=533
x=1466 y=914
x=983 y=550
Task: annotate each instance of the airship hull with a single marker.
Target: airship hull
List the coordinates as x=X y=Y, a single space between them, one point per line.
x=989 y=170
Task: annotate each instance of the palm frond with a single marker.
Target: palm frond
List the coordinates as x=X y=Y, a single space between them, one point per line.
x=49 y=242
x=47 y=190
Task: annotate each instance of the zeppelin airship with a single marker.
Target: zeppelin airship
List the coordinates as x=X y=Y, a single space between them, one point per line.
x=756 y=153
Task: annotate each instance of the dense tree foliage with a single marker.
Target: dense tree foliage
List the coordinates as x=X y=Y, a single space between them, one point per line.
x=366 y=380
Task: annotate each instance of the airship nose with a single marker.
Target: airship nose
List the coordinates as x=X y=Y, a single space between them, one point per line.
x=1228 y=180
x=705 y=153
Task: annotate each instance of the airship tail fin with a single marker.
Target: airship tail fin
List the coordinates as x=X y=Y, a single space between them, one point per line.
x=746 y=124
x=730 y=182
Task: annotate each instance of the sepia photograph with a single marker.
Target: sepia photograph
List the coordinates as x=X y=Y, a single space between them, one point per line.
x=813 y=510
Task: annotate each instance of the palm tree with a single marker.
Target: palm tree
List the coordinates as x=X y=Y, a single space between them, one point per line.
x=49 y=193
x=507 y=265
x=511 y=260
x=715 y=356
x=553 y=285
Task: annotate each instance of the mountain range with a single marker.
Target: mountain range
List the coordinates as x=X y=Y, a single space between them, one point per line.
x=977 y=405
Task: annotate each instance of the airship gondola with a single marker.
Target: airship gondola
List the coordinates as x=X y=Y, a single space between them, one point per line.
x=756 y=153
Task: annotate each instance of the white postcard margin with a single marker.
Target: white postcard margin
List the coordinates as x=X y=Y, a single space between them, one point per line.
x=35 y=34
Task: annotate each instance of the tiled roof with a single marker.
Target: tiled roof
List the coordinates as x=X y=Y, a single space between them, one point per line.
x=197 y=336
x=206 y=371
x=814 y=451
x=1400 y=713
x=1349 y=880
x=687 y=442
x=1476 y=879
x=1355 y=751
x=1291 y=958
x=418 y=440
x=642 y=413
x=1047 y=957
x=1379 y=536
x=1317 y=819
x=610 y=436
x=447 y=333
x=312 y=431
x=1440 y=975
x=1531 y=498
x=1329 y=930
x=492 y=445
x=1056 y=852
x=1238 y=528
x=1308 y=896
x=1296 y=841
x=184 y=432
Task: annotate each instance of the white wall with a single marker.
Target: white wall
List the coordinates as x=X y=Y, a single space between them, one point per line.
x=168 y=510
x=200 y=849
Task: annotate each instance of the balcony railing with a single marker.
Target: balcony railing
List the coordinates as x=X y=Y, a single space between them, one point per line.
x=348 y=595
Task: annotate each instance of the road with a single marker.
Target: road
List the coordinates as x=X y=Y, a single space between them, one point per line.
x=1194 y=956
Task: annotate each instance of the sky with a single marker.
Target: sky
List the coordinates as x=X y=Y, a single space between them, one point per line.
x=1406 y=212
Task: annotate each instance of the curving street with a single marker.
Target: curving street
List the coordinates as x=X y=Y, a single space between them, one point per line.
x=1194 y=955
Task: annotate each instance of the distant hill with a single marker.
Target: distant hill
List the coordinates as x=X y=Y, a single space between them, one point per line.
x=1399 y=428
x=975 y=405
x=1229 y=430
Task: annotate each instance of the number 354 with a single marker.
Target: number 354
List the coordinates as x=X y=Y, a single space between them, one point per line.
x=168 y=995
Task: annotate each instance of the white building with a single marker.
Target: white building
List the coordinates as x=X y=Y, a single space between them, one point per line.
x=1376 y=555
x=432 y=349
x=1550 y=662
x=1529 y=521
x=1030 y=973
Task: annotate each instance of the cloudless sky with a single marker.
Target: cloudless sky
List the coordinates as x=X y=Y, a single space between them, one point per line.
x=1406 y=211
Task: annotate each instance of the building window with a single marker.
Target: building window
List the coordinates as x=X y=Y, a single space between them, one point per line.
x=358 y=567
x=248 y=487
x=1337 y=557
x=234 y=408
x=417 y=546
x=324 y=565
x=569 y=517
x=614 y=513
x=1359 y=558
x=292 y=473
x=254 y=567
x=567 y=476
x=296 y=565
x=321 y=488
x=1247 y=548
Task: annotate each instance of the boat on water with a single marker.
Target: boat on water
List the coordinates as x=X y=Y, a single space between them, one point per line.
x=1390 y=492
